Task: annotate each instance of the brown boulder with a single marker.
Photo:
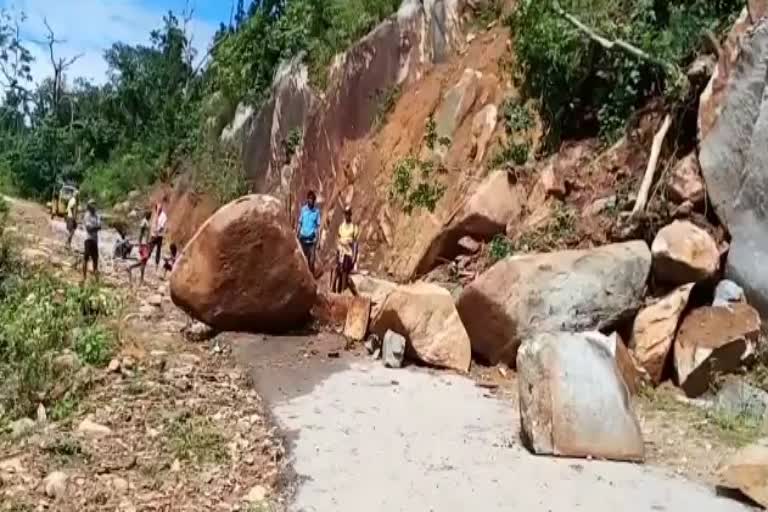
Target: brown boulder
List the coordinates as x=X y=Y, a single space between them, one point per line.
x=747 y=471
x=684 y=253
x=654 y=331
x=685 y=182
x=425 y=314
x=358 y=315
x=712 y=341
x=630 y=370
x=244 y=270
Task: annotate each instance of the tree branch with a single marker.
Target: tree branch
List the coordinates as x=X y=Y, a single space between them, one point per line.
x=650 y=170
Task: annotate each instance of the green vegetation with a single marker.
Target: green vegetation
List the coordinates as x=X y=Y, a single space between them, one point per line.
x=387 y=101
x=559 y=231
x=413 y=185
x=430 y=137
x=516 y=117
x=584 y=87
x=500 y=248
x=196 y=438
x=41 y=316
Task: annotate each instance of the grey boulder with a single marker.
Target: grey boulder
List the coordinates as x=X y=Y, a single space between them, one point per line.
x=573 y=400
x=562 y=291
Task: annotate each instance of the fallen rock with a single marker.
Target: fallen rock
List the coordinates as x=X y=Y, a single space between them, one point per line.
x=93 y=429
x=747 y=471
x=55 y=484
x=727 y=292
x=155 y=300
x=244 y=270
x=552 y=184
x=653 y=331
x=569 y=290
x=197 y=332
x=712 y=341
x=358 y=316
x=257 y=494
x=684 y=253
x=483 y=126
x=469 y=245
x=573 y=401
x=738 y=401
x=66 y=362
x=375 y=289
x=685 y=182
x=393 y=350
x=426 y=315
x=114 y=366
x=456 y=103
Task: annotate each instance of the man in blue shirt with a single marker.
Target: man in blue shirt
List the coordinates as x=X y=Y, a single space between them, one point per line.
x=309 y=229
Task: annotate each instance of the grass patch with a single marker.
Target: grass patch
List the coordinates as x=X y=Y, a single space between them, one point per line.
x=500 y=248
x=65 y=450
x=196 y=439
x=414 y=186
x=556 y=234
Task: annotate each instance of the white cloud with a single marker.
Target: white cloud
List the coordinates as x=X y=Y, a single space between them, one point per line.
x=91 y=26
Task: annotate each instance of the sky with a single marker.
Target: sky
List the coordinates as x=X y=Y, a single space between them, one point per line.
x=91 y=26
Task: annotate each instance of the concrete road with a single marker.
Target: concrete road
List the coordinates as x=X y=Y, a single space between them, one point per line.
x=366 y=438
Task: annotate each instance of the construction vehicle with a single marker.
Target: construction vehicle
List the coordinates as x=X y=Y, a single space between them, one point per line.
x=61 y=199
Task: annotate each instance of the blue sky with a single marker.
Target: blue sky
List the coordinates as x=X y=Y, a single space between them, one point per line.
x=90 y=26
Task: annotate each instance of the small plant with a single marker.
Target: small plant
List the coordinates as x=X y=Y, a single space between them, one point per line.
x=64 y=408
x=560 y=230
x=500 y=248
x=516 y=153
x=431 y=136
x=387 y=101
x=444 y=141
x=94 y=345
x=65 y=449
x=196 y=439
x=487 y=12
x=292 y=142
x=413 y=192
x=516 y=117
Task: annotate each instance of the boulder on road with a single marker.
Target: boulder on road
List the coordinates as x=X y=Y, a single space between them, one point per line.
x=712 y=341
x=393 y=350
x=569 y=290
x=653 y=331
x=244 y=270
x=426 y=316
x=358 y=316
x=573 y=400
x=684 y=253
x=747 y=471
x=374 y=288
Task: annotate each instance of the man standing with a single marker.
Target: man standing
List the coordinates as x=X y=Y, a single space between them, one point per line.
x=92 y=224
x=158 y=233
x=309 y=229
x=346 y=252
x=72 y=218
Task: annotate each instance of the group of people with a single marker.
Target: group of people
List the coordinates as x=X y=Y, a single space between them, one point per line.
x=347 y=246
x=151 y=237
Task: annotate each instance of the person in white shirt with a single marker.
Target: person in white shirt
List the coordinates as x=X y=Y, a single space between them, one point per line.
x=92 y=223
x=71 y=218
x=158 y=233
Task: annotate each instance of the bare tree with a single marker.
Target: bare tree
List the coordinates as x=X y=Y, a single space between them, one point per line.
x=59 y=65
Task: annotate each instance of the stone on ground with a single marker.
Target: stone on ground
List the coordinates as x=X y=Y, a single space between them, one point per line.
x=93 y=429
x=747 y=471
x=569 y=290
x=653 y=331
x=425 y=314
x=685 y=182
x=728 y=292
x=712 y=341
x=393 y=350
x=358 y=316
x=244 y=270
x=573 y=400
x=684 y=253
x=738 y=401
x=55 y=484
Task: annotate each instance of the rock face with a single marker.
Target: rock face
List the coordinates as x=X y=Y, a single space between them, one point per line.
x=244 y=270
x=684 y=253
x=570 y=290
x=747 y=471
x=685 y=183
x=486 y=213
x=711 y=341
x=573 y=401
x=425 y=314
x=734 y=155
x=654 y=331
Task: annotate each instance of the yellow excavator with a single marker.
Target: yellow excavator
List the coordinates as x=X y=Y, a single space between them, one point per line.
x=60 y=200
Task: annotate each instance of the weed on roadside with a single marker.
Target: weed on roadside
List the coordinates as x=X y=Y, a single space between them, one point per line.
x=196 y=439
x=65 y=450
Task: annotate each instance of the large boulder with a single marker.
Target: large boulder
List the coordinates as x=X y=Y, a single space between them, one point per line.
x=456 y=103
x=713 y=341
x=734 y=157
x=654 y=331
x=573 y=400
x=425 y=314
x=244 y=270
x=685 y=183
x=569 y=290
x=684 y=253
x=747 y=471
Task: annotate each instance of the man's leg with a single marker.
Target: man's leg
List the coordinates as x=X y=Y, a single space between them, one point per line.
x=312 y=259
x=159 y=242
x=95 y=257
